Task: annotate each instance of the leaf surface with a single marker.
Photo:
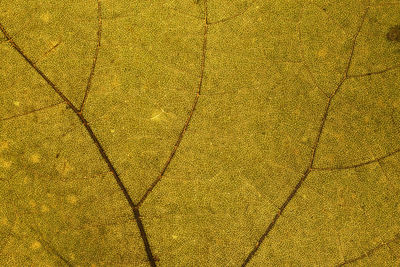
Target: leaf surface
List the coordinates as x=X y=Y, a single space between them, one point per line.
x=199 y=133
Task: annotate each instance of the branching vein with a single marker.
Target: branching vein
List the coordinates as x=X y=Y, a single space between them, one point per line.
x=377 y=160
x=316 y=143
x=31 y=111
x=375 y=72
x=192 y=110
x=94 y=138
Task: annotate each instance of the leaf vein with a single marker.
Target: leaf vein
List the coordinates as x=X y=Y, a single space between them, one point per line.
x=96 y=53
x=105 y=157
x=316 y=143
x=189 y=118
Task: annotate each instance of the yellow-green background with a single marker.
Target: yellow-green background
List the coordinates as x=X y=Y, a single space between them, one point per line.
x=269 y=69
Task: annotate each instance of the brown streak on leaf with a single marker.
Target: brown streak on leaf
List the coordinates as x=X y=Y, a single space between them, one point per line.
x=48 y=52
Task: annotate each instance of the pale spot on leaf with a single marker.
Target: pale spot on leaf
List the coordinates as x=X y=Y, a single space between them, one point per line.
x=159 y=115
x=322 y=52
x=3 y=221
x=44 y=208
x=116 y=82
x=6 y=164
x=72 y=199
x=3 y=145
x=63 y=167
x=16 y=103
x=26 y=180
x=45 y=17
x=32 y=203
x=174 y=236
x=383 y=179
x=35 y=158
x=54 y=43
x=36 y=245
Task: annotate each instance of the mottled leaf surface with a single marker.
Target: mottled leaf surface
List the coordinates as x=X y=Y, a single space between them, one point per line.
x=199 y=133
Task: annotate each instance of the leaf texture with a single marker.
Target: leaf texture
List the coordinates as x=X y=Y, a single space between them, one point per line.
x=199 y=133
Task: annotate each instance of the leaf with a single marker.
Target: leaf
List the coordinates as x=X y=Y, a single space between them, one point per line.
x=199 y=133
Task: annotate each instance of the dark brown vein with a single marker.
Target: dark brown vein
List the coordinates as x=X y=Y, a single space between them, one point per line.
x=375 y=72
x=189 y=118
x=311 y=162
x=368 y=253
x=33 y=65
x=85 y=123
x=48 y=52
x=31 y=111
x=96 y=53
x=358 y=164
